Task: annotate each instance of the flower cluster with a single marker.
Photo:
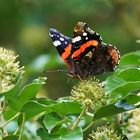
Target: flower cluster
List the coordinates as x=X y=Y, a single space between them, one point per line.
x=133 y=127
x=90 y=93
x=9 y=69
x=104 y=133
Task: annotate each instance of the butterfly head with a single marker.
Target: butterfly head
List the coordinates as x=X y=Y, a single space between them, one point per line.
x=83 y=33
x=82 y=29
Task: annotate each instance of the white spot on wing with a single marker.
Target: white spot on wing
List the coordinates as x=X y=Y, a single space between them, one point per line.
x=62 y=39
x=65 y=42
x=84 y=34
x=76 y=39
x=86 y=38
x=56 y=43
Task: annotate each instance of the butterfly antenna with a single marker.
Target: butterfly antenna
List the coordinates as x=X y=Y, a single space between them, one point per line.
x=52 y=71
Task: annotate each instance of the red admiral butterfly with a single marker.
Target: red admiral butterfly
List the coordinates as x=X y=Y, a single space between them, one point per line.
x=85 y=53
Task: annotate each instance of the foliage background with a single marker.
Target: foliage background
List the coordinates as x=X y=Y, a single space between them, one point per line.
x=24 y=28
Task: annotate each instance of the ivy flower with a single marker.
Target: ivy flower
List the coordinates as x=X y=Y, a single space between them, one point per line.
x=104 y=133
x=90 y=93
x=9 y=69
x=133 y=127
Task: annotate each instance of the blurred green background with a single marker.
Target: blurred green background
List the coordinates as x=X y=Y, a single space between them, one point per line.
x=24 y=28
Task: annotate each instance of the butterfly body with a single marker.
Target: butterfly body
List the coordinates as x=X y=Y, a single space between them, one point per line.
x=85 y=53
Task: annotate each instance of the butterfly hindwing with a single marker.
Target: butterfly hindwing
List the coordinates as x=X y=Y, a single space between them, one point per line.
x=113 y=53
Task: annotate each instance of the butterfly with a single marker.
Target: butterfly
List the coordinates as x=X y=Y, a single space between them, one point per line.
x=85 y=53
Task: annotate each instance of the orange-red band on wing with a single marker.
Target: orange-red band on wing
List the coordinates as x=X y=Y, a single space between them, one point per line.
x=67 y=52
x=84 y=47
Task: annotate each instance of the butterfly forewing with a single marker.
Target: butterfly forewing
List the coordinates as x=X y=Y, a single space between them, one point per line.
x=62 y=43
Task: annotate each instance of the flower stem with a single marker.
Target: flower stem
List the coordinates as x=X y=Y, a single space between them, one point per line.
x=4 y=124
x=88 y=126
x=79 y=118
x=4 y=131
x=22 y=127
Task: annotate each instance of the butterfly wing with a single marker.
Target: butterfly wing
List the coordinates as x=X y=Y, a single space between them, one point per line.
x=84 y=40
x=112 y=55
x=62 y=43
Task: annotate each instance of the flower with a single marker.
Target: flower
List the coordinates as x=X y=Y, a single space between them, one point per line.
x=9 y=69
x=133 y=128
x=104 y=133
x=90 y=93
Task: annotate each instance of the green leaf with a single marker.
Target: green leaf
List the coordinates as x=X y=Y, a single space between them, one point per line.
x=33 y=108
x=129 y=74
x=130 y=60
x=51 y=120
x=132 y=99
x=112 y=109
x=121 y=78
x=46 y=101
x=12 y=137
x=28 y=92
x=112 y=83
x=63 y=134
x=124 y=90
x=38 y=106
x=8 y=113
x=67 y=107
x=20 y=119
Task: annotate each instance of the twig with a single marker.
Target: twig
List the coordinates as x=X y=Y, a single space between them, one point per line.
x=4 y=124
x=15 y=131
x=68 y=126
x=79 y=118
x=22 y=127
x=88 y=126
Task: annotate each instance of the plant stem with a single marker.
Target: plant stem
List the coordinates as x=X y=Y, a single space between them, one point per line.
x=68 y=126
x=4 y=124
x=2 y=105
x=88 y=126
x=79 y=118
x=16 y=131
x=22 y=127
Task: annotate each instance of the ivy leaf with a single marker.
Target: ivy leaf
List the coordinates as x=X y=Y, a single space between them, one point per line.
x=11 y=137
x=27 y=92
x=113 y=109
x=130 y=60
x=124 y=90
x=133 y=99
x=51 y=120
x=62 y=134
x=67 y=107
x=121 y=78
x=33 y=108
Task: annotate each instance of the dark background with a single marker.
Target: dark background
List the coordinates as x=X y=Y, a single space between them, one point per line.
x=24 y=28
